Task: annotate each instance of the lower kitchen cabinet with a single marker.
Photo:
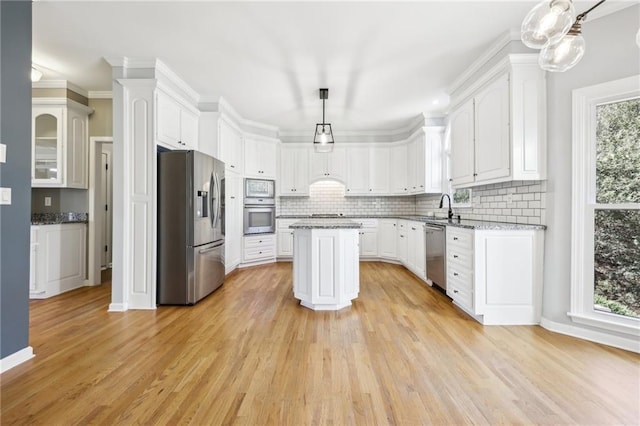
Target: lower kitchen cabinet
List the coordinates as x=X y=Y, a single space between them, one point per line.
x=284 y=238
x=416 y=254
x=58 y=259
x=402 y=241
x=368 y=237
x=387 y=235
x=496 y=275
x=232 y=219
x=259 y=248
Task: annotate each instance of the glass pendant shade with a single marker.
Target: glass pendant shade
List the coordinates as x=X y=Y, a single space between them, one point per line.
x=547 y=23
x=562 y=55
x=323 y=138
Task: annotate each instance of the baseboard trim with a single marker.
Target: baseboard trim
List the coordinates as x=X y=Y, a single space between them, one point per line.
x=628 y=344
x=16 y=358
x=117 y=307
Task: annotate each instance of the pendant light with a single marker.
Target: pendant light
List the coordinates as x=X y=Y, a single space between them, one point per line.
x=547 y=23
x=545 y=27
x=323 y=136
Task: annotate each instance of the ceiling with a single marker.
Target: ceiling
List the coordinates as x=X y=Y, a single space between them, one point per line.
x=383 y=62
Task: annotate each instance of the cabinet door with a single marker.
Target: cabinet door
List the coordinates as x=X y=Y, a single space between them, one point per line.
x=230 y=141
x=268 y=154
x=369 y=242
x=233 y=220
x=301 y=171
x=412 y=173
x=420 y=170
x=337 y=164
x=398 y=172
x=462 y=146
x=285 y=242
x=433 y=161
x=318 y=166
x=47 y=145
x=419 y=248
x=77 y=151
x=402 y=241
x=492 y=131
x=379 y=170
x=358 y=171
x=168 y=120
x=252 y=157
x=387 y=237
x=188 y=129
x=294 y=169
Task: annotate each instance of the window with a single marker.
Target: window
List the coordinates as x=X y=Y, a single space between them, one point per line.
x=605 y=265
x=460 y=197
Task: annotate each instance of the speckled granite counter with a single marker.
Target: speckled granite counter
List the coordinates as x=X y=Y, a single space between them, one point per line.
x=329 y=223
x=464 y=223
x=58 y=218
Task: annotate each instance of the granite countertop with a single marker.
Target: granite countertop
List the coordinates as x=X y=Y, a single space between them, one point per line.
x=325 y=223
x=464 y=223
x=58 y=218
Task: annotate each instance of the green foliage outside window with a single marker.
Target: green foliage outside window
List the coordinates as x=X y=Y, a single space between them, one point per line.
x=617 y=232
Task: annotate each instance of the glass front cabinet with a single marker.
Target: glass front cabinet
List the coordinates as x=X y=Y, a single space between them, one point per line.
x=60 y=144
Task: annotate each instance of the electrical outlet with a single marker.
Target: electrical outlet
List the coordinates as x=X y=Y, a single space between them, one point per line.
x=3 y=153
x=5 y=196
x=47 y=201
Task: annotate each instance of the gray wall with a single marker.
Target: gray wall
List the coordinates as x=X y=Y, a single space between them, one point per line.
x=15 y=132
x=63 y=200
x=611 y=54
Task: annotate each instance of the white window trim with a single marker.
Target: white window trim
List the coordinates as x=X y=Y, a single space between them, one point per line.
x=447 y=187
x=583 y=202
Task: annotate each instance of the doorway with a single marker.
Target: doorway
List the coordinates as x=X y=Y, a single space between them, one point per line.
x=100 y=230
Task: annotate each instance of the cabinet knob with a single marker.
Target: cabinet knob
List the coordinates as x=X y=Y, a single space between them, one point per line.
x=475 y=174
x=455 y=256
x=455 y=274
x=455 y=291
x=455 y=238
x=232 y=166
x=450 y=180
x=370 y=189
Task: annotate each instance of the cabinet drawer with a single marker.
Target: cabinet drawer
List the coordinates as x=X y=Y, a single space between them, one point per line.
x=460 y=295
x=460 y=257
x=367 y=223
x=459 y=238
x=459 y=277
x=260 y=242
x=259 y=253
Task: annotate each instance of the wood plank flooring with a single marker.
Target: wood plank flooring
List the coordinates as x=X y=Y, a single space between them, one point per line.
x=249 y=354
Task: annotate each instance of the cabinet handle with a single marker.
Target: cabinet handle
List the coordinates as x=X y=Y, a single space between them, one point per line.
x=413 y=229
x=455 y=256
x=394 y=224
x=455 y=238
x=232 y=166
x=475 y=174
x=260 y=241
x=260 y=252
x=455 y=291
x=370 y=189
x=455 y=274
x=348 y=190
x=450 y=180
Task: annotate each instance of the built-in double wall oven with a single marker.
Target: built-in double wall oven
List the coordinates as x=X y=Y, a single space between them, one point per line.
x=259 y=206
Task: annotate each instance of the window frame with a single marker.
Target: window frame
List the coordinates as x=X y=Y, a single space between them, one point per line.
x=584 y=205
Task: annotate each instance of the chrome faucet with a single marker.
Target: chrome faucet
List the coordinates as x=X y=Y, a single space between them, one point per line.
x=450 y=212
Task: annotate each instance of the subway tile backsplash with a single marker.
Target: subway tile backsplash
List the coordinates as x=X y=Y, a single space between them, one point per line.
x=513 y=202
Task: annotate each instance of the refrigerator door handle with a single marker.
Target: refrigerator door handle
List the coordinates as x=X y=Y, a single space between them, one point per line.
x=208 y=249
x=212 y=192
x=218 y=206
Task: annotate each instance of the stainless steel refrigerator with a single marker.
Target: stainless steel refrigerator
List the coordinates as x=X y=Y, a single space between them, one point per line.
x=190 y=226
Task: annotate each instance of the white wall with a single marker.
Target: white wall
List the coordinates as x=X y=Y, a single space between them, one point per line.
x=611 y=54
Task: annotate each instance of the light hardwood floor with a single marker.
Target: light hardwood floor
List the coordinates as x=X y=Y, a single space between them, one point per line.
x=249 y=354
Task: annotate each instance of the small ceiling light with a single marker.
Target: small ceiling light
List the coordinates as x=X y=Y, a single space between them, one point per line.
x=323 y=136
x=547 y=23
x=36 y=74
x=561 y=48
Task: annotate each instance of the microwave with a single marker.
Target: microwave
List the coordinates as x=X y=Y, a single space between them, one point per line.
x=258 y=188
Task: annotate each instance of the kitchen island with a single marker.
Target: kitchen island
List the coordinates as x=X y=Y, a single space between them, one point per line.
x=326 y=275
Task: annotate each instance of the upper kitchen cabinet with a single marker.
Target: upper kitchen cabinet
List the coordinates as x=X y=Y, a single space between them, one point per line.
x=230 y=145
x=329 y=165
x=293 y=171
x=176 y=122
x=498 y=129
x=260 y=157
x=424 y=162
x=368 y=171
x=400 y=174
x=60 y=143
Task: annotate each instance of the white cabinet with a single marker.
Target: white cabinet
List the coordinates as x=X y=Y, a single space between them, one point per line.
x=208 y=133
x=387 y=236
x=230 y=145
x=498 y=125
x=55 y=270
x=284 y=235
x=33 y=261
x=416 y=256
x=402 y=241
x=424 y=161
x=399 y=173
x=294 y=171
x=176 y=123
x=368 y=171
x=260 y=158
x=232 y=218
x=259 y=248
x=496 y=275
x=60 y=144
x=368 y=234
x=328 y=165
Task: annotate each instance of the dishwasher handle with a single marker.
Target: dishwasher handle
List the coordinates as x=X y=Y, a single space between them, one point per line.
x=434 y=227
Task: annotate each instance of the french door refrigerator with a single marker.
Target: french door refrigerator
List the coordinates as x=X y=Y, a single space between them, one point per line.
x=190 y=226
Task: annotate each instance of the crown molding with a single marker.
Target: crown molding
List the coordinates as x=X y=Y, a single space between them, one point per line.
x=59 y=84
x=97 y=94
x=510 y=35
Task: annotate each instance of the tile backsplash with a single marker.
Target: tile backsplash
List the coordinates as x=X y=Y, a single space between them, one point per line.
x=513 y=202
x=327 y=197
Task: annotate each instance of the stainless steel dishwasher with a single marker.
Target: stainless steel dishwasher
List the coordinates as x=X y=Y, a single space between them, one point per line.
x=436 y=253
